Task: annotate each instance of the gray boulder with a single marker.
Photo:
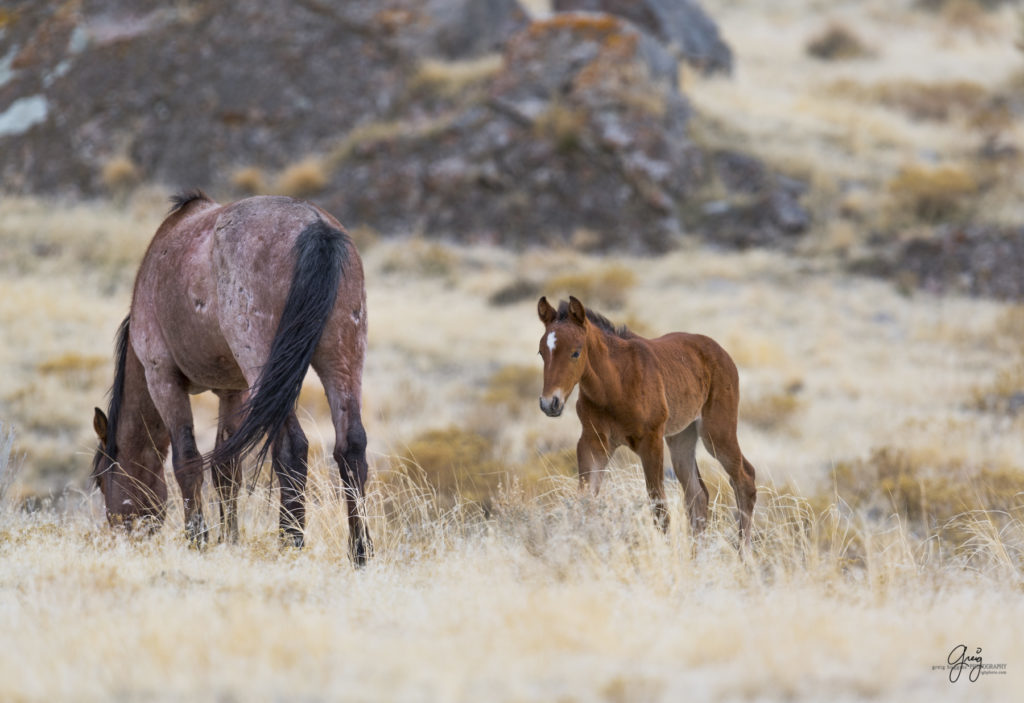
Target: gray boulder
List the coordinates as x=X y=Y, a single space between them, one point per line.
x=680 y=23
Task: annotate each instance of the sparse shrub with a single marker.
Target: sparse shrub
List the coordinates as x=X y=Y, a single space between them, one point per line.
x=250 y=180
x=924 y=100
x=454 y=463
x=562 y=124
x=970 y=15
x=1005 y=394
x=75 y=369
x=364 y=236
x=418 y=256
x=607 y=287
x=460 y=466
x=933 y=194
x=304 y=178
x=931 y=499
x=9 y=464
x=120 y=174
x=450 y=78
x=837 y=43
x=774 y=410
x=515 y=292
x=535 y=474
x=514 y=388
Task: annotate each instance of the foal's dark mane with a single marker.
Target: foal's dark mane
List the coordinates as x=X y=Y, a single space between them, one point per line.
x=602 y=322
x=116 y=399
x=180 y=200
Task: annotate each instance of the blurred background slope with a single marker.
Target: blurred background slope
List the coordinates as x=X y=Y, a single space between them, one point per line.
x=461 y=118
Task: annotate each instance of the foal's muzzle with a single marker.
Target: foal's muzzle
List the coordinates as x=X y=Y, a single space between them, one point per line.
x=552 y=406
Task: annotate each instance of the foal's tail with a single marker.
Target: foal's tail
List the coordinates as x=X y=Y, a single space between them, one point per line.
x=321 y=253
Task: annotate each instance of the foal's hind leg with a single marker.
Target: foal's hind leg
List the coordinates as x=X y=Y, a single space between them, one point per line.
x=651 y=449
x=682 y=447
x=718 y=431
x=228 y=477
x=290 y=454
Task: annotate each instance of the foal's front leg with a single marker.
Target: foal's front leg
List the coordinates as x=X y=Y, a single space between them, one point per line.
x=651 y=449
x=593 y=451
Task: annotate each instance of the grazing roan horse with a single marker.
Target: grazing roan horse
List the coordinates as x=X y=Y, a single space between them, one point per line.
x=642 y=393
x=238 y=299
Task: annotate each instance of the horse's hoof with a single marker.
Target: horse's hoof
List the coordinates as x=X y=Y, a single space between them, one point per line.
x=360 y=551
x=196 y=533
x=292 y=539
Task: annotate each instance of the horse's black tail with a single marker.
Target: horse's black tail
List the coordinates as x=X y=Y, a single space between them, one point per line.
x=321 y=252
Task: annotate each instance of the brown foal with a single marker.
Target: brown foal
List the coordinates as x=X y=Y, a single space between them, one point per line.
x=642 y=393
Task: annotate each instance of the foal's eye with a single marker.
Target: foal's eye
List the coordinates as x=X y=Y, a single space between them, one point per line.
x=576 y=354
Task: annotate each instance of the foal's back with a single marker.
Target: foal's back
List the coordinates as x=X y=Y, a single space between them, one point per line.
x=694 y=369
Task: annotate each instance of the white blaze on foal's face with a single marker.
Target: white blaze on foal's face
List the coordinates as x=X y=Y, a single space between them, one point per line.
x=551 y=342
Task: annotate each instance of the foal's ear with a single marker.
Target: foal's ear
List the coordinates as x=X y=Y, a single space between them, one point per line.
x=546 y=313
x=576 y=312
x=99 y=423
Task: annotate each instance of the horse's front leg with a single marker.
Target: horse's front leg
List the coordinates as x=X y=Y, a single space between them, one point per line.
x=651 y=448
x=172 y=403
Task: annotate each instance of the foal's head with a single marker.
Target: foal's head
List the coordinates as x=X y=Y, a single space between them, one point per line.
x=564 y=350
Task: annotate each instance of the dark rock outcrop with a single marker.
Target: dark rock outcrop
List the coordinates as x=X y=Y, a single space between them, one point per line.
x=682 y=24
x=580 y=129
x=576 y=131
x=975 y=259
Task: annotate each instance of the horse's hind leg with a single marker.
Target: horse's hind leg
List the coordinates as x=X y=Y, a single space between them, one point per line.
x=289 y=455
x=683 y=447
x=350 y=455
x=718 y=431
x=227 y=477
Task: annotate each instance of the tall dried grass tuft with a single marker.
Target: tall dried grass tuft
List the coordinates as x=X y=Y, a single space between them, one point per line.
x=837 y=42
x=605 y=287
x=9 y=464
x=250 y=180
x=120 y=174
x=451 y=78
x=933 y=194
x=305 y=178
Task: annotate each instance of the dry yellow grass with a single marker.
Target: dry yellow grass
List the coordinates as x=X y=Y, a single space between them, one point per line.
x=302 y=179
x=551 y=596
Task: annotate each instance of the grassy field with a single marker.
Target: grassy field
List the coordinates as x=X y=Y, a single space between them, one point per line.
x=884 y=425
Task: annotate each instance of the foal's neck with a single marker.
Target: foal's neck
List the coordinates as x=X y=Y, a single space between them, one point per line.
x=601 y=383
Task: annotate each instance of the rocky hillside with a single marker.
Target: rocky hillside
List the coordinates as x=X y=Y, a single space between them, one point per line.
x=454 y=118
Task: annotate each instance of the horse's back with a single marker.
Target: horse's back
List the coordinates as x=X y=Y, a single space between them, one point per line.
x=212 y=287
